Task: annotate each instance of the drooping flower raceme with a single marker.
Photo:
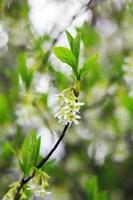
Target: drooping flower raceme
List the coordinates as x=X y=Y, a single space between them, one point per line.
x=69 y=107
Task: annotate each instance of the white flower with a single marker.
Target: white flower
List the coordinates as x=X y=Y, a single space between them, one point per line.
x=31 y=186
x=38 y=187
x=40 y=192
x=68 y=111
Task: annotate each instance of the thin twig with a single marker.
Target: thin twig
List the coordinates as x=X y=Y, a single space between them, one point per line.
x=44 y=160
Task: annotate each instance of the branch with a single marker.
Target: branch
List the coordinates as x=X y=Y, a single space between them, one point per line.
x=23 y=181
x=44 y=160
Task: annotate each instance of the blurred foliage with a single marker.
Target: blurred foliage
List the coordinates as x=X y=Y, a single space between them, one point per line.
x=30 y=76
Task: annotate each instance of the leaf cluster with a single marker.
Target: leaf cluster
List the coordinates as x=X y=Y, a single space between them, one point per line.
x=71 y=56
x=29 y=153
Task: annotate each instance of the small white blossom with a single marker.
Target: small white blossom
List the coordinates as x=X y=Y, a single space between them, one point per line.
x=39 y=185
x=40 y=192
x=68 y=111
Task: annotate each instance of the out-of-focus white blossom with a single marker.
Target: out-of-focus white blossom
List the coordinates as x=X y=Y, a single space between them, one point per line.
x=128 y=73
x=121 y=152
x=48 y=196
x=39 y=192
x=112 y=89
x=45 y=15
x=98 y=150
x=106 y=27
x=27 y=116
x=52 y=101
x=47 y=142
x=69 y=107
x=41 y=83
x=123 y=118
x=98 y=91
x=119 y=4
x=3 y=41
x=3 y=37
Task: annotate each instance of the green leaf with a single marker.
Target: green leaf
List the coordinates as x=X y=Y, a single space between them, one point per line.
x=13 y=151
x=74 y=44
x=26 y=162
x=66 y=56
x=92 y=189
x=70 y=40
x=102 y=196
x=37 y=149
x=76 y=47
x=30 y=152
x=90 y=62
x=25 y=73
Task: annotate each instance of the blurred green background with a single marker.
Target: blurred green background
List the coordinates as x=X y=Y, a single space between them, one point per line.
x=30 y=77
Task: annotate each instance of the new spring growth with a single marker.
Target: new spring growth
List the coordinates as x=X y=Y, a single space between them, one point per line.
x=39 y=183
x=69 y=107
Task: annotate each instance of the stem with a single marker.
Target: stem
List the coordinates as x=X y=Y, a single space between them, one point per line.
x=42 y=162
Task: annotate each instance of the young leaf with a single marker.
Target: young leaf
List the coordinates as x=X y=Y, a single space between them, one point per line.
x=90 y=62
x=76 y=47
x=70 y=40
x=66 y=56
x=74 y=44
x=92 y=189
x=25 y=73
x=37 y=150
x=12 y=150
x=26 y=152
x=30 y=152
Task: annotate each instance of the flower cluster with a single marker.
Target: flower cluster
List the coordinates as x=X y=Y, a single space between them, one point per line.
x=11 y=192
x=39 y=184
x=68 y=111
